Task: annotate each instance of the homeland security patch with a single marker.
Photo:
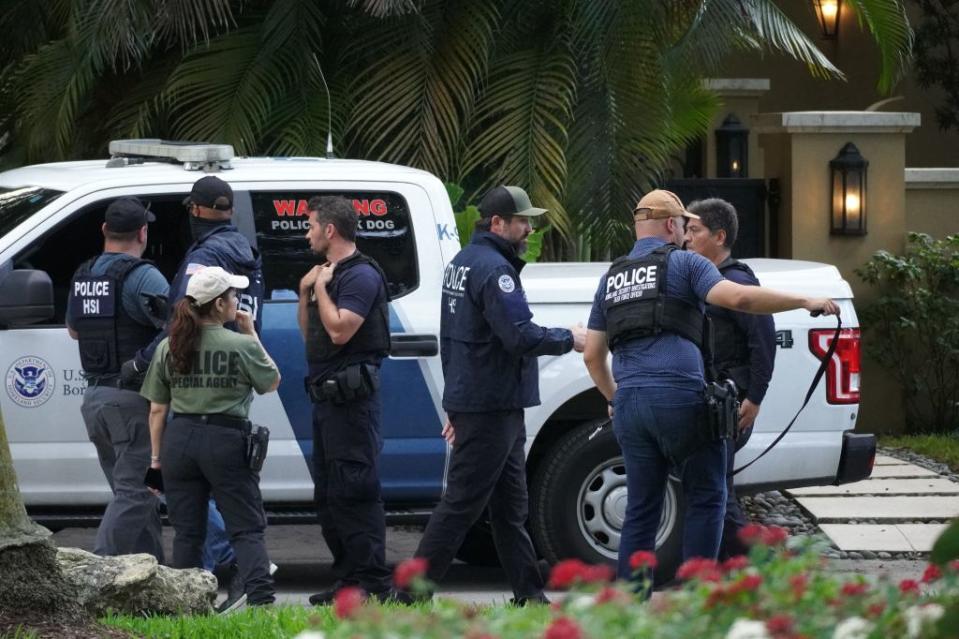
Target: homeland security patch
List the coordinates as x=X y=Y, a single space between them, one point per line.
x=30 y=382
x=506 y=284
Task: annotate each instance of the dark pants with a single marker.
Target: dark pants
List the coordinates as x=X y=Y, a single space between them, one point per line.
x=658 y=428
x=346 y=444
x=199 y=459
x=735 y=519
x=487 y=469
x=117 y=424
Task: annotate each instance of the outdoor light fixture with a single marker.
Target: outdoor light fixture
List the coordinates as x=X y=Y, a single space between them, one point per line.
x=732 y=148
x=848 y=171
x=828 y=13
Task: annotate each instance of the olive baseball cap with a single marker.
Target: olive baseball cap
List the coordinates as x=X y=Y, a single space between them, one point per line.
x=660 y=204
x=211 y=282
x=507 y=200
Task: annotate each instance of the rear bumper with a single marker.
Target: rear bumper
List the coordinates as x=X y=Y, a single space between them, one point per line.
x=857 y=457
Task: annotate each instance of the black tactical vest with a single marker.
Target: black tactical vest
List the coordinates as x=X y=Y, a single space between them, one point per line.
x=636 y=304
x=107 y=335
x=730 y=347
x=372 y=339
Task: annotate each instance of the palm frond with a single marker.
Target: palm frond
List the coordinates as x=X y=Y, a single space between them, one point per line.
x=384 y=8
x=411 y=104
x=521 y=125
x=889 y=25
x=187 y=22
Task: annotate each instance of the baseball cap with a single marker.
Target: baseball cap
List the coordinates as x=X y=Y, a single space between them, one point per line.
x=211 y=192
x=127 y=214
x=507 y=200
x=212 y=281
x=660 y=204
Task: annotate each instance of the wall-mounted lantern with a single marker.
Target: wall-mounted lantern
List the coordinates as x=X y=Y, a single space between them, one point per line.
x=732 y=149
x=827 y=11
x=848 y=171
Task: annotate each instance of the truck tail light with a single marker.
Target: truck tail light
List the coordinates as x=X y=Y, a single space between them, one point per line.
x=842 y=375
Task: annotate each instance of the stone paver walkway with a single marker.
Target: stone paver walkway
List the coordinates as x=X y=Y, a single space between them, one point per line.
x=898 y=509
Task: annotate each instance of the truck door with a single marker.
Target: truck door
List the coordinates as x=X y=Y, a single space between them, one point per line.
x=395 y=221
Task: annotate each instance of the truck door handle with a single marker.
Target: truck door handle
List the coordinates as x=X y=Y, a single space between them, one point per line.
x=407 y=345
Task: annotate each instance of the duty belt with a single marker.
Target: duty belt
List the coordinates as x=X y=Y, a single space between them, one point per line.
x=217 y=419
x=111 y=381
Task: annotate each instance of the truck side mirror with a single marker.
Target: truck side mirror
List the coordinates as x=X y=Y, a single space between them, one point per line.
x=26 y=297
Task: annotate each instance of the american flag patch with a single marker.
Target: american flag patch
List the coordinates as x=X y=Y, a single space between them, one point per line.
x=193 y=267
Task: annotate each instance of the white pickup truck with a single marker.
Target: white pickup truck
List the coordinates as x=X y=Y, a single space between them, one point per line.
x=50 y=218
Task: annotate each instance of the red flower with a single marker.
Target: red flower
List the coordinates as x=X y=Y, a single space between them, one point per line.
x=779 y=624
x=566 y=573
x=774 y=536
x=347 y=601
x=608 y=594
x=563 y=628
x=598 y=574
x=854 y=588
x=739 y=562
x=642 y=559
x=909 y=587
x=751 y=534
x=699 y=568
x=932 y=574
x=798 y=584
x=746 y=583
x=875 y=609
x=409 y=570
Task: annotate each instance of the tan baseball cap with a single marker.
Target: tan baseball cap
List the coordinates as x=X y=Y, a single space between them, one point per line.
x=211 y=282
x=660 y=204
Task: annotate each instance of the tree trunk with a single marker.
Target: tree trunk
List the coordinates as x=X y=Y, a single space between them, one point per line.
x=33 y=585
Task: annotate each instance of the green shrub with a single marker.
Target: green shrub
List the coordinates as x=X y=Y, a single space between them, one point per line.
x=912 y=328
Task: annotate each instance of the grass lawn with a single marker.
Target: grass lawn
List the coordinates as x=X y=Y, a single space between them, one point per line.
x=942 y=448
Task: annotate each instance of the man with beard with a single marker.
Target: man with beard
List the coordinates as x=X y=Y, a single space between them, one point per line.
x=344 y=318
x=489 y=347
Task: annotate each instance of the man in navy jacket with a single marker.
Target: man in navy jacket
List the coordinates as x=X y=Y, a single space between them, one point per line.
x=489 y=347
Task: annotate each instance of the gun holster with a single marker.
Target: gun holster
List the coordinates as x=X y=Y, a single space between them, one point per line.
x=356 y=381
x=257 y=442
x=722 y=409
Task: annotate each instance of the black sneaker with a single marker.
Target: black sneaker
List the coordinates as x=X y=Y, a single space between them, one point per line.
x=392 y=595
x=522 y=602
x=326 y=597
x=235 y=595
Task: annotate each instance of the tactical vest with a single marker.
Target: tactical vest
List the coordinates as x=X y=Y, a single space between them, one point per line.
x=107 y=335
x=730 y=346
x=636 y=304
x=372 y=339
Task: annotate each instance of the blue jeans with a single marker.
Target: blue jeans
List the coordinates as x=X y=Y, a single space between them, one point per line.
x=658 y=428
x=216 y=548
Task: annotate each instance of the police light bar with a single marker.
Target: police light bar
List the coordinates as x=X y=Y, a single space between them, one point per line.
x=193 y=156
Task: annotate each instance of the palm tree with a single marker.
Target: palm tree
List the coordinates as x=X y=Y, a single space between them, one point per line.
x=582 y=102
x=32 y=582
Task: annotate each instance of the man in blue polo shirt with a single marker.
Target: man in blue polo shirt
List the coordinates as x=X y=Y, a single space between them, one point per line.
x=648 y=310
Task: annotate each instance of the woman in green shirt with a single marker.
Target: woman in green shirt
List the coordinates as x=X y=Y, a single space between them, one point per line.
x=206 y=374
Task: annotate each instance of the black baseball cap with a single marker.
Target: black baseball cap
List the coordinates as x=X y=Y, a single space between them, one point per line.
x=127 y=214
x=507 y=200
x=211 y=192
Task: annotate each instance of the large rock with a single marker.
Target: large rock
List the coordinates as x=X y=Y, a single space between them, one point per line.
x=135 y=584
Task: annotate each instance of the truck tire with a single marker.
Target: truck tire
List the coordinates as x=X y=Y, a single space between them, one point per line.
x=578 y=502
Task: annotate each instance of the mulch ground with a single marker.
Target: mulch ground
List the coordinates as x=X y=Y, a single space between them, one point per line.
x=45 y=627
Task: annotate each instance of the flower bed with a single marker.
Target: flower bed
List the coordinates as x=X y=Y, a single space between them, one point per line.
x=780 y=591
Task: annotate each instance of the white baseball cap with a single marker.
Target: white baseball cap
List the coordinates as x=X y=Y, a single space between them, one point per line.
x=211 y=282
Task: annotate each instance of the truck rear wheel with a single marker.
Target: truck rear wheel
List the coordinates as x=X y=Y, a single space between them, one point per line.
x=578 y=503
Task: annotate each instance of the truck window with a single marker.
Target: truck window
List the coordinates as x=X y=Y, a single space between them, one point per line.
x=17 y=205
x=77 y=239
x=384 y=232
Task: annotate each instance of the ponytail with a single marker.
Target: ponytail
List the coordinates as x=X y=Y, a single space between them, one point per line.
x=185 y=333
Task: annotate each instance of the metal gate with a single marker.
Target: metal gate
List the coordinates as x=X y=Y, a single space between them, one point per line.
x=749 y=198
